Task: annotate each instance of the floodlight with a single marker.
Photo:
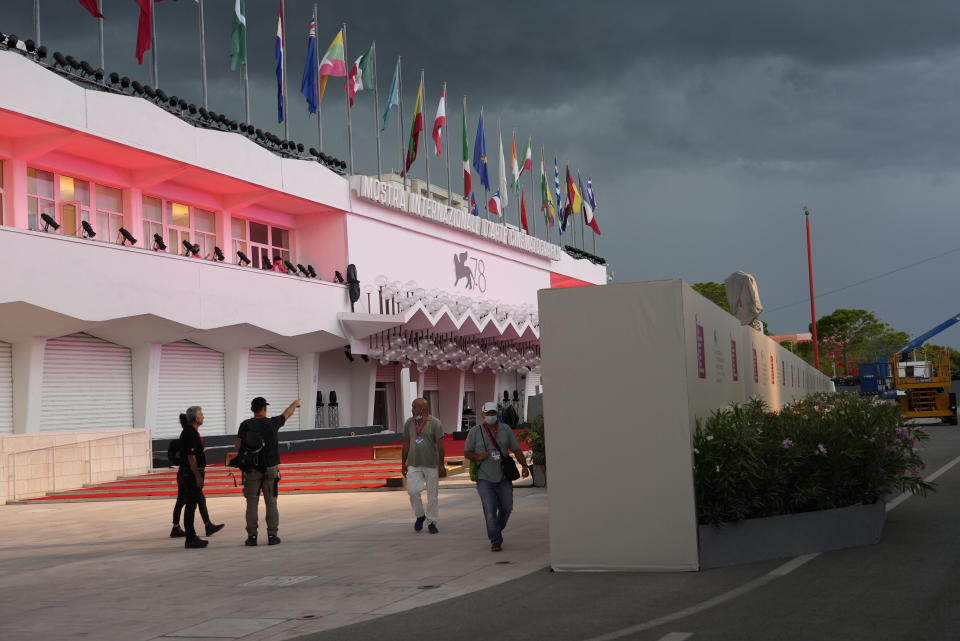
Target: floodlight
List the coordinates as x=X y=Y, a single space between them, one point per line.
x=87 y=67
x=98 y=73
x=313 y=273
x=243 y=258
x=291 y=268
x=218 y=253
x=192 y=108
x=42 y=51
x=30 y=45
x=87 y=230
x=204 y=113
x=60 y=60
x=348 y=353
x=162 y=95
x=12 y=40
x=137 y=87
x=114 y=77
x=303 y=270
x=300 y=147
x=73 y=62
x=49 y=222
x=158 y=244
x=338 y=276
x=150 y=93
x=127 y=236
x=191 y=249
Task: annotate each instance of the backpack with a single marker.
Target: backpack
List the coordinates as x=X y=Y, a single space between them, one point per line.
x=251 y=455
x=174 y=453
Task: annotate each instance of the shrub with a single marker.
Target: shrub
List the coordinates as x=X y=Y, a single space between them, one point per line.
x=825 y=451
x=534 y=437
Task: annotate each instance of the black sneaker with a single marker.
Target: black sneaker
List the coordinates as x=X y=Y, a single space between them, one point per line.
x=432 y=528
x=273 y=539
x=495 y=547
x=177 y=532
x=195 y=542
x=418 y=524
x=251 y=540
x=213 y=528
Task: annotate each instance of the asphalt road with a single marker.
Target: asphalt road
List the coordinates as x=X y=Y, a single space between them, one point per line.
x=907 y=587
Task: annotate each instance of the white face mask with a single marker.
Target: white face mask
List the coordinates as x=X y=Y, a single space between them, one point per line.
x=491 y=420
x=418 y=416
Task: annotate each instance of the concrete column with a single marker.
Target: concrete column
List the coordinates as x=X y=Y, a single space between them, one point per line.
x=133 y=216
x=308 y=367
x=27 y=384
x=224 y=235
x=146 y=383
x=405 y=392
x=451 y=399
x=235 y=365
x=15 y=193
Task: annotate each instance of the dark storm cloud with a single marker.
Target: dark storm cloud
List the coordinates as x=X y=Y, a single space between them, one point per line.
x=705 y=125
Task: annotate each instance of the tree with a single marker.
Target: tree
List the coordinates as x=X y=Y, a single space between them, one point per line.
x=715 y=292
x=847 y=333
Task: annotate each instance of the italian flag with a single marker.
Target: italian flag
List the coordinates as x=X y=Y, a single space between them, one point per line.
x=333 y=63
x=415 y=129
x=441 y=119
x=466 y=157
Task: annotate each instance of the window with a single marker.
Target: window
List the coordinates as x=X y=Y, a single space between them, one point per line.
x=177 y=222
x=265 y=242
x=69 y=201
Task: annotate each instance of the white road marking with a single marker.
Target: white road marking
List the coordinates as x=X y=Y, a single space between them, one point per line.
x=779 y=571
x=676 y=636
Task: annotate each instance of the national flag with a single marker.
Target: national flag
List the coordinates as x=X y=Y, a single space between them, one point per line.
x=466 y=158
x=514 y=169
x=523 y=214
x=527 y=158
x=91 y=6
x=415 y=129
x=333 y=63
x=589 y=207
x=441 y=119
x=279 y=54
x=549 y=213
x=494 y=206
x=238 y=38
x=145 y=28
x=556 y=189
x=473 y=205
x=393 y=99
x=480 y=155
x=308 y=82
x=502 y=187
x=361 y=73
x=573 y=194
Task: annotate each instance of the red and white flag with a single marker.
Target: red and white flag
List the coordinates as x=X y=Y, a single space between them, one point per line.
x=494 y=205
x=523 y=214
x=441 y=120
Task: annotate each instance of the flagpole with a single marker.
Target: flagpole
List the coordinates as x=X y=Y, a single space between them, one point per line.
x=99 y=32
x=501 y=171
x=36 y=20
x=346 y=60
x=400 y=105
x=376 y=107
x=153 y=40
x=203 y=58
x=426 y=155
x=486 y=189
x=316 y=71
x=446 y=144
x=283 y=70
x=583 y=227
x=463 y=121
x=533 y=187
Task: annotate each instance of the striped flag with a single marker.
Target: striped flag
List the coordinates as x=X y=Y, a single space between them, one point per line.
x=523 y=214
x=473 y=205
x=546 y=205
x=279 y=54
x=333 y=63
x=514 y=168
x=466 y=158
x=415 y=129
x=589 y=207
x=494 y=206
x=502 y=186
x=527 y=158
x=556 y=189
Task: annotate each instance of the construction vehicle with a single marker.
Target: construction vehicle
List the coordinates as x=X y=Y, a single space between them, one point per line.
x=921 y=387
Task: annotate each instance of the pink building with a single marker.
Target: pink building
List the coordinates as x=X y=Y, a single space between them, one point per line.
x=98 y=333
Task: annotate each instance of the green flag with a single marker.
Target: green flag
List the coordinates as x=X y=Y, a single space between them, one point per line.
x=238 y=40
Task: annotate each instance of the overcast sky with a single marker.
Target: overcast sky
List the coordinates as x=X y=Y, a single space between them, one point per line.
x=706 y=126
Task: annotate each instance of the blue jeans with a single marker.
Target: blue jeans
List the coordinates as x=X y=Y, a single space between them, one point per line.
x=497 y=500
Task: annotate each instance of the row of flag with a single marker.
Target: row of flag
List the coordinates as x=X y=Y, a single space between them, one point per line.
x=361 y=76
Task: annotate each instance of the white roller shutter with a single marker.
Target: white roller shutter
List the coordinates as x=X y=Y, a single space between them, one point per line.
x=469 y=381
x=272 y=374
x=431 y=379
x=6 y=389
x=386 y=373
x=87 y=384
x=189 y=375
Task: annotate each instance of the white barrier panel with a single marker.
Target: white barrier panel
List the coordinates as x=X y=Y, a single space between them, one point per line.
x=628 y=368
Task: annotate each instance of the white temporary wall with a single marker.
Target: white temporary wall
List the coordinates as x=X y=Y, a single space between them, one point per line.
x=630 y=368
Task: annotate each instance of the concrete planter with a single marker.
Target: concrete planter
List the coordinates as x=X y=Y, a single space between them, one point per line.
x=790 y=535
x=539 y=473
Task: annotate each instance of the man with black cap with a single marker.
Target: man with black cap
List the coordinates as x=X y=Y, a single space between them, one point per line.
x=260 y=433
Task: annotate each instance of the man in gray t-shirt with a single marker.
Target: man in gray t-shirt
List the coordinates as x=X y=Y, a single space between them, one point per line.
x=486 y=444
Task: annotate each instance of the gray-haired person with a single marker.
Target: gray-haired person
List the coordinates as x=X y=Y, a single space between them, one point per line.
x=190 y=476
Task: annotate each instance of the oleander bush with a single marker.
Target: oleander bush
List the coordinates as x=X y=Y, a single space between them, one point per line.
x=534 y=437
x=825 y=451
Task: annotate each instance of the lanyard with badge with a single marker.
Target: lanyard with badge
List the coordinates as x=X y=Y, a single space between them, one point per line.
x=419 y=428
x=495 y=455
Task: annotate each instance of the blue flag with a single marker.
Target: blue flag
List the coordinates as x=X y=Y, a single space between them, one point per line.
x=480 y=155
x=308 y=84
x=279 y=53
x=393 y=98
x=473 y=205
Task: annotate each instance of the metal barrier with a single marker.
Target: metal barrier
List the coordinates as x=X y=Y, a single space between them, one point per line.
x=44 y=480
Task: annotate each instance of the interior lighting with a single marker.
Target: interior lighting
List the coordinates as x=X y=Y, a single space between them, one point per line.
x=243 y=258
x=158 y=244
x=87 y=230
x=127 y=236
x=49 y=222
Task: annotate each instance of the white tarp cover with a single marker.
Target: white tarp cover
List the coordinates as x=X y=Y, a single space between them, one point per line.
x=743 y=297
